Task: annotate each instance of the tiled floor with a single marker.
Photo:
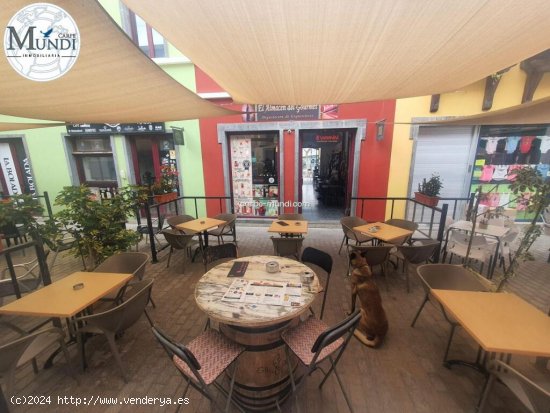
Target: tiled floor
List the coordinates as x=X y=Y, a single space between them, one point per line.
x=404 y=375
x=314 y=210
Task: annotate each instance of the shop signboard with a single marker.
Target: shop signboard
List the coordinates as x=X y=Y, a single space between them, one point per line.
x=261 y=113
x=112 y=128
x=9 y=170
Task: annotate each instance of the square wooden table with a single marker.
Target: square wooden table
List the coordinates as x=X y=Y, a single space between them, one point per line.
x=293 y=227
x=201 y=226
x=499 y=322
x=59 y=299
x=386 y=232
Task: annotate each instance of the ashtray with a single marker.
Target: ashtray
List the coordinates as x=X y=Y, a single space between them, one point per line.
x=78 y=286
x=306 y=277
x=297 y=223
x=272 y=266
x=202 y=222
x=374 y=229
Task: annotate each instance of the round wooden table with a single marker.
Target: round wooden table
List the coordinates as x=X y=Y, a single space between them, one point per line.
x=262 y=377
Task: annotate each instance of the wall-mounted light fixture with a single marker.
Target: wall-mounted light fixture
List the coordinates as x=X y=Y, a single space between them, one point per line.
x=178 y=135
x=380 y=125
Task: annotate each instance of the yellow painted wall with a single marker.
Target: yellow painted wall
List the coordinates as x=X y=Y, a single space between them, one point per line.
x=462 y=102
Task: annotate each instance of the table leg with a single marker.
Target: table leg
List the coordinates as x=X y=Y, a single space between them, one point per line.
x=495 y=260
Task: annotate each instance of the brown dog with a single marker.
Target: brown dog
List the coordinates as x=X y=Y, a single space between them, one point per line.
x=373 y=325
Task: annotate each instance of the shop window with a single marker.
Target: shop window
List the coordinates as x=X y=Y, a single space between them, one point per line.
x=254 y=171
x=94 y=161
x=147 y=38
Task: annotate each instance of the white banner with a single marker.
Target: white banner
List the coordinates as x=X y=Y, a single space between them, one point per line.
x=9 y=170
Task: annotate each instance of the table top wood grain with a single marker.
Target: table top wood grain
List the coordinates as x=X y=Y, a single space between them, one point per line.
x=293 y=227
x=213 y=285
x=385 y=232
x=200 y=224
x=59 y=299
x=499 y=322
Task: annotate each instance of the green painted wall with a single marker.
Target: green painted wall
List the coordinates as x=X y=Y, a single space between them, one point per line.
x=51 y=166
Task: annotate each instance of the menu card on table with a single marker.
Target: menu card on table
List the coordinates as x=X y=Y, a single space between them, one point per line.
x=264 y=292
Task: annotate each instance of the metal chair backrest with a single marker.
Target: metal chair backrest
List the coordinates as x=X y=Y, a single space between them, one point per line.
x=218 y=252
x=375 y=255
x=27 y=280
x=348 y=223
x=291 y=217
x=178 y=219
x=126 y=263
x=415 y=254
x=173 y=348
x=124 y=314
x=176 y=239
x=317 y=257
x=451 y=277
x=345 y=327
x=11 y=352
x=403 y=223
x=287 y=246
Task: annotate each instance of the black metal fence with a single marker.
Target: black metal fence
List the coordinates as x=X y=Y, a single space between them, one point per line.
x=431 y=220
x=155 y=214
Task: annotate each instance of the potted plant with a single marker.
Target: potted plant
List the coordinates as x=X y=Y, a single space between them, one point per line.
x=428 y=191
x=164 y=189
x=98 y=225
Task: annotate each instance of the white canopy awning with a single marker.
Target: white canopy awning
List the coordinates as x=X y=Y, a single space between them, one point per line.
x=327 y=51
x=9 y=126
x=112 y=80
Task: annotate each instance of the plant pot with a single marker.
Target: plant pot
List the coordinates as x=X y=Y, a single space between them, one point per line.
x=161 y=198
x=430 y=201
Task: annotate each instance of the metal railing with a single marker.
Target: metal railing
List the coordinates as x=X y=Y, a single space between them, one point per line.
x=44 y=199
x=41 y=261
x=429 y=218
x=159 y=211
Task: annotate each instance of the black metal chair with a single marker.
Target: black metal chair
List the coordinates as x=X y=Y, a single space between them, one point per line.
x=322 y=260
x=177 y=241
x=285 y=247
x=313 y=342
x=202 y=361
x=218 y=252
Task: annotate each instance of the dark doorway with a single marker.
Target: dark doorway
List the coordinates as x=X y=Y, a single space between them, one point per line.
x=325 y=173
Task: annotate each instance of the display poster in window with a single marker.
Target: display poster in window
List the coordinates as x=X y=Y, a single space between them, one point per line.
x=254 y=175
x=497 y=157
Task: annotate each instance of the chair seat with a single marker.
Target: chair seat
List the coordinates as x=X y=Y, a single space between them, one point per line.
x=301 y=338
x=214 y=353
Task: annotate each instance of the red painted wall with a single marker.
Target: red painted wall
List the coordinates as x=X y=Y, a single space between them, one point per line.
x=374 y=156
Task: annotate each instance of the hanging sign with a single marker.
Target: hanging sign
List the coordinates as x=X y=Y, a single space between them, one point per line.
x=111 y=128
x=9 y=170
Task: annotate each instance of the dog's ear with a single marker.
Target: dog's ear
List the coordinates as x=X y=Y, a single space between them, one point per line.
x=352 y=256
x=364 y=254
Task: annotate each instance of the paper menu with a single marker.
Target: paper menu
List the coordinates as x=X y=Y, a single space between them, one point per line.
x=264 y=292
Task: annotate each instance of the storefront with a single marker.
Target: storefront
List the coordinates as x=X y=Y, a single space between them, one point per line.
x=261 y=156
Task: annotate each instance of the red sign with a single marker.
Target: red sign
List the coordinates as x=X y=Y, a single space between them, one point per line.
x=327 y=138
